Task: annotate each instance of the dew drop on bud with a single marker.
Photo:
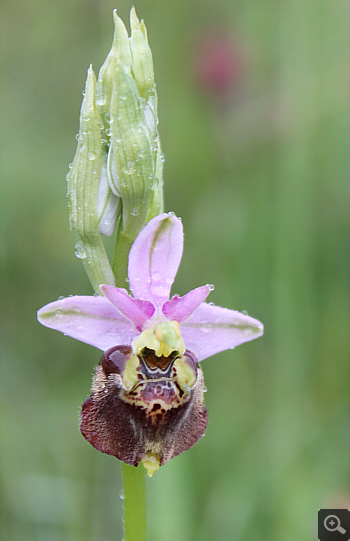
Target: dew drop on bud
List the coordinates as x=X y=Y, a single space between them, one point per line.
x=79 y=250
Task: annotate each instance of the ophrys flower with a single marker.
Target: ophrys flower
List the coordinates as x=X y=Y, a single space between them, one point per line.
x=147 y=394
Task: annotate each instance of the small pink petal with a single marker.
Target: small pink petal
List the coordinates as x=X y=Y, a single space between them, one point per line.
x=155 y=257
x=93 y=320
x=212 y=329
x=135 y=310
x=181 y=308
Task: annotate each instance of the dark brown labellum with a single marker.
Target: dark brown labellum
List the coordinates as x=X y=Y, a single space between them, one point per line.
x=144 y=404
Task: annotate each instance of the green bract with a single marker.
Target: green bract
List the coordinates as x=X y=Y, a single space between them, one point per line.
x=116 y=175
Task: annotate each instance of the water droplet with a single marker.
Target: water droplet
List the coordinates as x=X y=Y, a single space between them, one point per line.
x=108 y=132
x=70 y=166
x=135 y=212
x=141 y=153
x=244 y=312
x=130 y=168
x=96 y=294
x=79 y=250
x=61 y=297
x=77 y=136
x=58 y=313
x=204 y=389
x=162 y=159
x=211 y=287
x=206 y=327
x=91 y=155
x=108 y=117
x=121 y=495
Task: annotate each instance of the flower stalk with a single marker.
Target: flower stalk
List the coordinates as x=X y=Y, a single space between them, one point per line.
x=134 y=503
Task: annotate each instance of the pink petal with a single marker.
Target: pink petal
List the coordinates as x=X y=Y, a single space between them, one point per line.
x=181 y=308
x=93 y=320
x=155 y=257
x=135 y=310
x=212 y=329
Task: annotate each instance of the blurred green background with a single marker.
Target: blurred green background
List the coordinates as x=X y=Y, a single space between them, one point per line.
x=257 y=166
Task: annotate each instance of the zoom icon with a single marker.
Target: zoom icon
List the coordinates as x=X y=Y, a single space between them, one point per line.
x=334 y=525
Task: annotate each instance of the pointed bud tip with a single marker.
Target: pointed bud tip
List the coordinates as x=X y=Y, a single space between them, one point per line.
x=134 y=21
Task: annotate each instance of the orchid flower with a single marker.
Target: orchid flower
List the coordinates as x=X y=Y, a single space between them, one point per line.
x=147 y=396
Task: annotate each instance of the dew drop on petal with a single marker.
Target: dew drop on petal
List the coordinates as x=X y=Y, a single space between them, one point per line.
x=206 y=327
x=58 y=313
x=61 y=297
x=211 y=287
x=244 y=312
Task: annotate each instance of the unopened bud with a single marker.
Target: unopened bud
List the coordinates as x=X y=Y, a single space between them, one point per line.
x=83 y=190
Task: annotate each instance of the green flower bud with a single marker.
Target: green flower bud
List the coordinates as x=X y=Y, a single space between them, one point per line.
x=83 y=187
x=127 y=102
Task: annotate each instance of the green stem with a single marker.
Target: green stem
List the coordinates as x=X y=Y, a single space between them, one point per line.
x=134 y=506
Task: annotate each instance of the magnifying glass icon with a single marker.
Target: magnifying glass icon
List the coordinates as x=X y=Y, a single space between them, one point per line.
x=332 y=524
